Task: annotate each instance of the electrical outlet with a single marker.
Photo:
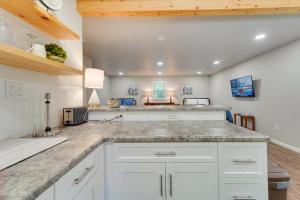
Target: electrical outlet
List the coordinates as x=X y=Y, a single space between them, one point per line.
x=277 y=127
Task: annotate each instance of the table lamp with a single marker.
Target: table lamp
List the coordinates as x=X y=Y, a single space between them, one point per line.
x=94 y=79
x=148 y=95
x=171 y=94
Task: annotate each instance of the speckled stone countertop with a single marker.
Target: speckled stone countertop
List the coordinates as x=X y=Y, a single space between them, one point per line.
x=30 y=178
x=161 y=108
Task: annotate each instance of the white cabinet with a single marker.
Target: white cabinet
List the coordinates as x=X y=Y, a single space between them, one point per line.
x=243 y=189
x=192 y=181
x=187 y=171
x=139 y=181
x=85 y=181
x=47 y=195
x=76 y=179
x=161 y=181
x=243 y=160
x=87 y=192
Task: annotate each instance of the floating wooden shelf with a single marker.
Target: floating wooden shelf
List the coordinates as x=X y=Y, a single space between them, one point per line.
x=33 y=14
x=21 y=59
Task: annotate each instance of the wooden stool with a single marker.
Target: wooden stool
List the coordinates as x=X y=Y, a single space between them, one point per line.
x=245 y=118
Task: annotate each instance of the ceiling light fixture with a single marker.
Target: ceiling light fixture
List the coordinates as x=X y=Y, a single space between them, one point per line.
x=217 y=62
x=160 y=63
x=161 y=38
x=159 y=73
x=121 y=73
x=199 y=72
x=260 y=36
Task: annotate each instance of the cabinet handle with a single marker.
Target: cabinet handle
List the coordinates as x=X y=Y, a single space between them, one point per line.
x=83 y=175
x=161 y=186
x=243 y=198
x=243 y=161
x=165 y=153
x=171 y=185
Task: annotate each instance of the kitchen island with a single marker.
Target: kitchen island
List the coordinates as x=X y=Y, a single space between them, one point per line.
x=240 y=154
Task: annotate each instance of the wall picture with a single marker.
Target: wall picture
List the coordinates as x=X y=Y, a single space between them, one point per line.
x=159 y=89
x=186 y=89
x=132 y=90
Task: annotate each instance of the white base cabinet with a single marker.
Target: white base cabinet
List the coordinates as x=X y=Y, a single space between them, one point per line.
x=84 y=182
x=187 y=171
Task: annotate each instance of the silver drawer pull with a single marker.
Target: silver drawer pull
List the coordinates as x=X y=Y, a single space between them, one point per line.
x=161 y=186
x=165 y=153
x=243 y=198
x=171 y=185
x=245 y=161
x=83 y=175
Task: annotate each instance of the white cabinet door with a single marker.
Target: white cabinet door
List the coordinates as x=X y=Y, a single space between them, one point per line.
x=192 y=181
x=47 y=195
x=139 y=181
x=87 y=193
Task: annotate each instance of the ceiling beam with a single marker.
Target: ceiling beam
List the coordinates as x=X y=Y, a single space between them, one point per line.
x=186 y=7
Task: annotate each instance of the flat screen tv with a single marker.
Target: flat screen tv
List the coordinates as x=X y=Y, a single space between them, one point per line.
x=242 y=87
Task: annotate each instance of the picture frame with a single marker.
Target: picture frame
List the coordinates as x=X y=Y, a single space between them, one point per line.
x=132 y=90
x=186 y=89
x=159 y=89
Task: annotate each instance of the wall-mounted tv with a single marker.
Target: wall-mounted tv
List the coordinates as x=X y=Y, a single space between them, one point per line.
x=242 y=87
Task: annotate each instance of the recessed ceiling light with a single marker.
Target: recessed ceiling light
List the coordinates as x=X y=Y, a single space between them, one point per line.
x=160 y=63
x=199 y=72
x=121 y=73
x=161 y=38
x=159 y=73
x=216 y=62
x=260 y=36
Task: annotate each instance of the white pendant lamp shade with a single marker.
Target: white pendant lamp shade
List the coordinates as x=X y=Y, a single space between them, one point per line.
x=94 y=78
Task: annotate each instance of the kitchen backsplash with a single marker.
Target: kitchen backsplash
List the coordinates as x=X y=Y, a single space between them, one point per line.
x=22 y=105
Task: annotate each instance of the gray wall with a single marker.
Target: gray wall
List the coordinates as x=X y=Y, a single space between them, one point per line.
x=277 y=81
x=200 y=84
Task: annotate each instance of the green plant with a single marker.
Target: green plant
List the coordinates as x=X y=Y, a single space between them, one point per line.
x=55 y=50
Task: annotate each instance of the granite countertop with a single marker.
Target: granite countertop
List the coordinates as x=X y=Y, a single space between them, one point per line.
x=30 y=178
x=161 y=108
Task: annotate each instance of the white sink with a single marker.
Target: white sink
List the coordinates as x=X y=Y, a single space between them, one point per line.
x=13 y=151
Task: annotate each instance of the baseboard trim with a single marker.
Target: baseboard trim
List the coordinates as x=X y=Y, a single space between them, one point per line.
x=287 y=146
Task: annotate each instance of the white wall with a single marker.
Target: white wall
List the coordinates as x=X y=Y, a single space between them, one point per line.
x=18 y=115
x=200 y=84
x=277 y=82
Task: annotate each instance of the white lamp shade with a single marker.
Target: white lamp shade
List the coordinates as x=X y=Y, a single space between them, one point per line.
x=94 y=78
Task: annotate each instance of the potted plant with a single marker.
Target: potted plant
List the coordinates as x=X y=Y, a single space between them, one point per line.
x=55 y=52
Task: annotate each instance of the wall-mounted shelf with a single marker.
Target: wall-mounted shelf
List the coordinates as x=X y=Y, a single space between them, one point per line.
x=21 y=59
x=33 y=14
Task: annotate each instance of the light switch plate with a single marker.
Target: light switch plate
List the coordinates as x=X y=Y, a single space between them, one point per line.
x=13 y=90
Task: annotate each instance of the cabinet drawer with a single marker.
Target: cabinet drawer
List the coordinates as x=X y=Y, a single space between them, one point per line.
x=164 y=152
x=243 y=189
x=70 y=184
x=239 y=160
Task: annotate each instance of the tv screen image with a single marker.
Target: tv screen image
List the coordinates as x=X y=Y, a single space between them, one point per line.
x=242 y=87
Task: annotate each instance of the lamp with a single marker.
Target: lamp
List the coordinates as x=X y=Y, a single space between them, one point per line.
x=148 y=95
x=94 y=79
x=171 y=94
